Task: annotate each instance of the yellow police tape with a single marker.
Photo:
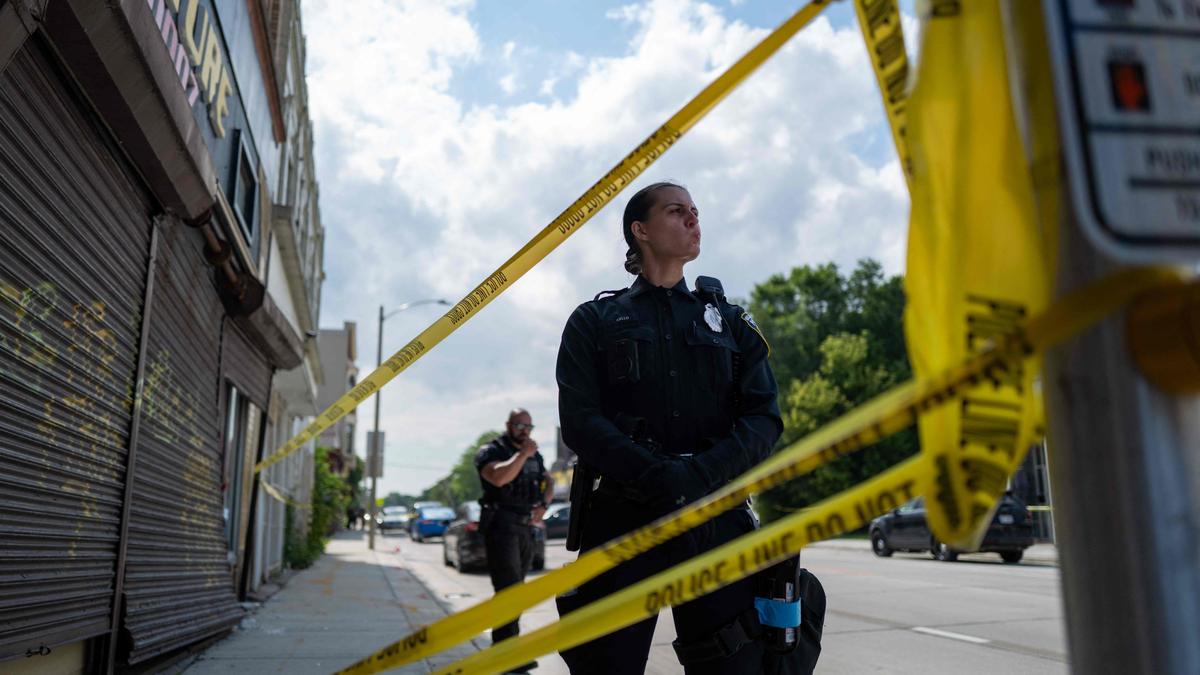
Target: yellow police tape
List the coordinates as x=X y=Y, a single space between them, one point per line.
x=979 y=260
x=879 y=21
x=277 y=494
x=708 y=572
x=559 y=229
x=879 y=418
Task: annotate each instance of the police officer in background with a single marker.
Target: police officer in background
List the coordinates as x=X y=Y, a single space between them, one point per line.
x=665 y=392
x=516 y=491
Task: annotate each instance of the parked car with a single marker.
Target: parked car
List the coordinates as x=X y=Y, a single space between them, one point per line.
x=557 y=517
x=462 y=545
x=395 y=519
x=429 y=521
x=905 y=529
x=411 y=527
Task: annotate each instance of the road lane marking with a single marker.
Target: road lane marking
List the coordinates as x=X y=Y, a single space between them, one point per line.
x=952 y=636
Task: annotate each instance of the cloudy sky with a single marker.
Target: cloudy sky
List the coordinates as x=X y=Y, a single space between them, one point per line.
x=450 y=132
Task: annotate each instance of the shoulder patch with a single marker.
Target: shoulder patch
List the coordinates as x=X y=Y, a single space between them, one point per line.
x=750 y=322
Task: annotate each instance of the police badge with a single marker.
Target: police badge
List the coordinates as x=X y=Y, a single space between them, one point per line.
x=712 y=317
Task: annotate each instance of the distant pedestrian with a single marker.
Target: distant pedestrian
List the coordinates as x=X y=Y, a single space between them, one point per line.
x=516 y=491
x=351 y=516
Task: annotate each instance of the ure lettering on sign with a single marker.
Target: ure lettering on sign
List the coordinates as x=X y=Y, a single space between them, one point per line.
x=195 y=44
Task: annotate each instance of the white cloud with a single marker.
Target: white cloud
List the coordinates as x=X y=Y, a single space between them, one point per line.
x=424 y=195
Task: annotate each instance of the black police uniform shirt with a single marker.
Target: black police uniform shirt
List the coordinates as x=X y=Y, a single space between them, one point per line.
x=661 y=354
x=522 y=493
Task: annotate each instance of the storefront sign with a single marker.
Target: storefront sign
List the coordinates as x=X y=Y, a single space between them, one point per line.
x=195 y=35
x=193 y=40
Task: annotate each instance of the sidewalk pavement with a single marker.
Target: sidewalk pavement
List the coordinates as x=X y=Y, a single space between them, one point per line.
x=1038 y=553
x=353 y=602
x=349 y=604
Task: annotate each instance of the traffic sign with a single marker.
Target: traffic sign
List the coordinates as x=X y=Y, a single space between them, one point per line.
x=1127 y=84
x=375 y=454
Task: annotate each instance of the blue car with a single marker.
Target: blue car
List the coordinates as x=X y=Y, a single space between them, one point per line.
x=430 y=521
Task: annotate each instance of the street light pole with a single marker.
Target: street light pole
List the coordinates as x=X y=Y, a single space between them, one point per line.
x=374 y=480
x=379 y=362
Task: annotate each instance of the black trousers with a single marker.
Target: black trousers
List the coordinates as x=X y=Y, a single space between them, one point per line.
x=625 y=651
x=508 y=539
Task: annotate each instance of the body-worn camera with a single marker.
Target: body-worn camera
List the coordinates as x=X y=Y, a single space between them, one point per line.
x=623 y=364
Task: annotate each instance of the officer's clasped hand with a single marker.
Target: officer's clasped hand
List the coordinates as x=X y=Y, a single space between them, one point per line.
x=673 y=482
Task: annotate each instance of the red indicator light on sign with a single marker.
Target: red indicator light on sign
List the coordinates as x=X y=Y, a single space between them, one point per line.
x=1129 y=90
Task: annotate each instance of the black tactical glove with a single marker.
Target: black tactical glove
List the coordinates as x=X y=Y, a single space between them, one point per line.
x=722 y=464
x=672 y=482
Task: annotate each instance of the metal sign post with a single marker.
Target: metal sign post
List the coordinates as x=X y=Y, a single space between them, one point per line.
x=1125 y=457
x=374 y=472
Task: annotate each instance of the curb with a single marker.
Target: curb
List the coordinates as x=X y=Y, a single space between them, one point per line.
x=1038 y=553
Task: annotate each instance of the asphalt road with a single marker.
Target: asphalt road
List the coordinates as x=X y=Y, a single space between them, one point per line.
x=904 y=614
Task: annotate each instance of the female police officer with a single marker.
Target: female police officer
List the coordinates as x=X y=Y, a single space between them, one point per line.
x=666 y=394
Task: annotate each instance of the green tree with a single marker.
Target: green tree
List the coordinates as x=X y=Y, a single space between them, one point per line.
x=836 y=342
x=397 y=499
x=797 y=312
x=462 y=483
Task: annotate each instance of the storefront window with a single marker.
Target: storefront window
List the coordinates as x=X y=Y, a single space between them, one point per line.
x=245 y=192
x=243 y=421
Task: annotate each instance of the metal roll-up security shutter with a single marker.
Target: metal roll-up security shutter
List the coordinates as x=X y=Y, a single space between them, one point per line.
x=246 y=366
x=179 y=582
x=74 y=243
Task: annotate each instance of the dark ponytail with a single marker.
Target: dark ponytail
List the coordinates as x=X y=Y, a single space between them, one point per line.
x=633 y=261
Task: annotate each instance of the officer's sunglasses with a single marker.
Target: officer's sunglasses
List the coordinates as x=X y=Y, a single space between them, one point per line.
x=521 y=426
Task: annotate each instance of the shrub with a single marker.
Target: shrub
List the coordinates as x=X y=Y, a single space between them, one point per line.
x=296 y=551
x=329 y=501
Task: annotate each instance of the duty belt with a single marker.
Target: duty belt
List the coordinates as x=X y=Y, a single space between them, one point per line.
x=506 y=513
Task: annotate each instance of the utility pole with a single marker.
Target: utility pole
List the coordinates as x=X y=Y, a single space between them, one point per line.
x=1124 y=454
x=377 y=469
x=374 y=471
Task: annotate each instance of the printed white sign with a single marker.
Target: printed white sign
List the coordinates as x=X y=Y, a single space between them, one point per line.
x=1127 y=81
